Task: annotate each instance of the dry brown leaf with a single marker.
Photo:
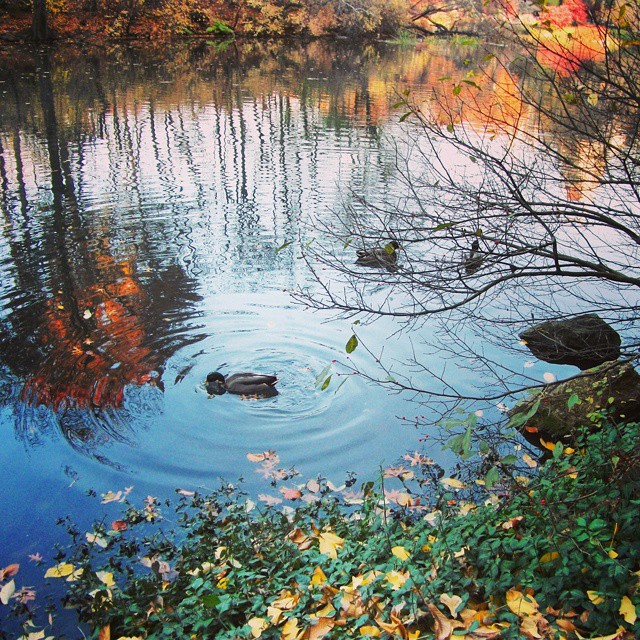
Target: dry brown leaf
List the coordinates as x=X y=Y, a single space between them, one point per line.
x=442 y=626
x=300 y=539
x=451 y=602
x=320 y=629
x=529 y=627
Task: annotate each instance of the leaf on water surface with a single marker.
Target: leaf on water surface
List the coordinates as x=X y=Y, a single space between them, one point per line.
x=7 y=591
x=529 y=461
x=454 y=483
x=322 y=375
x=260 y=457
x=9 y=571
x=325 y=384
x=59 y=571
x=284 y=246
x=98 y=540
x=106 y=577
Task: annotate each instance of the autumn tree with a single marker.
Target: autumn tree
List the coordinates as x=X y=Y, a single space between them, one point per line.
x=519 y=202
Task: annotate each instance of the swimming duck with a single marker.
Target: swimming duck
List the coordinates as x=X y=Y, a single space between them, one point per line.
x=473 y=261
x=385 y=256
x=242 y=384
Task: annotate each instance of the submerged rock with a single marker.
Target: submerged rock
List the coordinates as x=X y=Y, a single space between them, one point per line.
x=563 y=408
x=584 y=341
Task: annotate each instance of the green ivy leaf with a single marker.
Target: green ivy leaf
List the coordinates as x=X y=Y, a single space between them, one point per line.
x=573 y=400
x=211 y=600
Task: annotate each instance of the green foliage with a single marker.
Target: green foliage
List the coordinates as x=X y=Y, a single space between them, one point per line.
x=556 y=550
x=222 y=29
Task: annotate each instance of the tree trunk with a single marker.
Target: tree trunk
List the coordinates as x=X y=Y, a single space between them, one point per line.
x=39 y=27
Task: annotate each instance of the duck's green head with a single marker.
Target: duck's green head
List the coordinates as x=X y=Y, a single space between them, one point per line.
x=215 y=384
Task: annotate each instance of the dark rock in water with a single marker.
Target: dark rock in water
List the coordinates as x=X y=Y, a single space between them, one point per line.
x=563 y=408
x=584 y=341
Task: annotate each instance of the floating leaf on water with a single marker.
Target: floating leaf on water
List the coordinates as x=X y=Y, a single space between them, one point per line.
x=59 y=571
x=284 y=246
x=322 y=375
x=454 y=483
x=7 y=591
x=549 y=377
x=325 y=384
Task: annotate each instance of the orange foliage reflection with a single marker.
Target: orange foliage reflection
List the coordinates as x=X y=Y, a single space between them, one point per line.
x=94 y=344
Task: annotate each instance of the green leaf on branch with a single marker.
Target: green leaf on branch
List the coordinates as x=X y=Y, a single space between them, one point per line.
x=284 y=246
x=352 y=343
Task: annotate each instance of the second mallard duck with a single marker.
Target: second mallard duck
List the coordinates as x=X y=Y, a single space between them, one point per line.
x=242 y=384
x=386 y=256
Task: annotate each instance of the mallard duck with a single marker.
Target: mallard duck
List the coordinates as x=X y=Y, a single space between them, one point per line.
x=386 y=256
x=473 y=261
x=242 y=384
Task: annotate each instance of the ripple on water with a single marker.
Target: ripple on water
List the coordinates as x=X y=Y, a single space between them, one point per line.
x=197 y=436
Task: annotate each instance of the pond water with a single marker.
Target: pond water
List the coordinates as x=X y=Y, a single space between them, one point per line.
x=147 y=193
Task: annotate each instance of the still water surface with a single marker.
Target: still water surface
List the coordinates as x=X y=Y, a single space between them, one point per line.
x=145 y=194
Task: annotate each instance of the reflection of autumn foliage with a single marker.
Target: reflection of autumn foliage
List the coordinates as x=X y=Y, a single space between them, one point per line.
x=94 y=346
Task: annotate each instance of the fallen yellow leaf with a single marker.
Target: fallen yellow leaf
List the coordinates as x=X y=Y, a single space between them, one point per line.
x=453 y=482
x=595 y=597
x=318 y=577
x=258 y=625
x=529 y=461
x=521 y=604
x=370 y=630
x=550 y=557
x=397 y=579
x=400 y=553
x=330 y=543
x=59 y=571
x=628 y=611
x=290 y=630
x=106 y=577
x=529 y=627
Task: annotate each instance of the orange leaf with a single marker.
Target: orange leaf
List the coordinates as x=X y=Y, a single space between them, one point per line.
x=9 y=571
x=119 y=525
x=105 y=633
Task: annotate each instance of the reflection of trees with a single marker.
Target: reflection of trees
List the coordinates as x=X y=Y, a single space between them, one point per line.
x=83 y=324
